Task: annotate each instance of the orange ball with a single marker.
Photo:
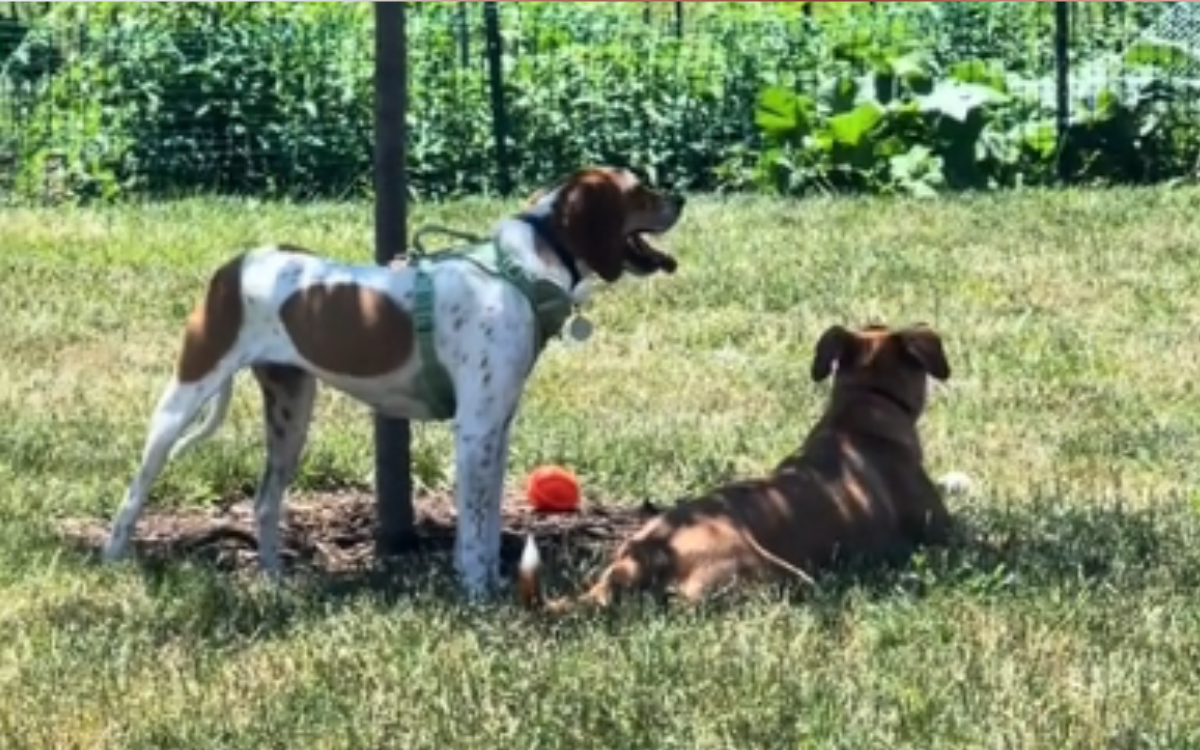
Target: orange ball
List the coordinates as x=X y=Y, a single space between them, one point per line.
x=552 y=489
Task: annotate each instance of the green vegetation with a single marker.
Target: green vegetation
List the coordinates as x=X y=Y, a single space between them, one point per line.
x=107 y=100
x=1072 y=623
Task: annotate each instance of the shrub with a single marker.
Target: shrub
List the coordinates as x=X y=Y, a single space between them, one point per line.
x=115 y=100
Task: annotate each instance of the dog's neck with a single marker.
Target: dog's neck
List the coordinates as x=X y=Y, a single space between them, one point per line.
x=866 y=400
x=531 y=239
x=543 y=227
x=909 y=410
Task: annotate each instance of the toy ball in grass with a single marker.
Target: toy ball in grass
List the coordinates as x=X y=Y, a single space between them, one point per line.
x=552 y=489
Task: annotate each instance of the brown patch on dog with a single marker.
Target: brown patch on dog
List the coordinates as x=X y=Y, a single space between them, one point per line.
x=348 y=329
x=856 y=487
x=213 y=327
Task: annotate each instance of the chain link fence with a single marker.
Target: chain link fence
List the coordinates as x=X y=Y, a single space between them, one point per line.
x=121 y=101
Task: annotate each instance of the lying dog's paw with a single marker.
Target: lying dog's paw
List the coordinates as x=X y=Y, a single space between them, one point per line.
x=955 y=483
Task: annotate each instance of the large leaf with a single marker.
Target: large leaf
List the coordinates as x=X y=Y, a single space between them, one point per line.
x=981 y=72
x=957 y=100
x=783 y=115
x=778 y=113
x=851 y=128
x=1040 y=137
x=1161 y=54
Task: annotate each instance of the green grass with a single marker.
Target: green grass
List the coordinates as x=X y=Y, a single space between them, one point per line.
x=1070 y=320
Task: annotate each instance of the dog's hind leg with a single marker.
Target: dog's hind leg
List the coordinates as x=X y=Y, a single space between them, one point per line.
x=212 y=421
x=288 y=396
x=176 y=409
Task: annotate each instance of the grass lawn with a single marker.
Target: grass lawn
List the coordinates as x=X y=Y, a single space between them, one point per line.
x=1070 y=321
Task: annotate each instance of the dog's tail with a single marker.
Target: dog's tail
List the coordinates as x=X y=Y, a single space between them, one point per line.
x=529 y=590
x=776 y=560
x=216 y=415
x=529 y=585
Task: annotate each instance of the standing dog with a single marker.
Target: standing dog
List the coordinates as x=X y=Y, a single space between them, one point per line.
x=856 y=487
x=454 y=337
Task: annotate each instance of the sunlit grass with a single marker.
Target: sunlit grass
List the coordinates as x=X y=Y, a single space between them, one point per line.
x=1070 y=322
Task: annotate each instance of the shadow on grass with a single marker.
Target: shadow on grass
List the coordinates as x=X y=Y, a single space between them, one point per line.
x=208 y=558
x=201 y=564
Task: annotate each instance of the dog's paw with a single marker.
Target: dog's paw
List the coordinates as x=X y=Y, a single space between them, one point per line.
x=955 y=483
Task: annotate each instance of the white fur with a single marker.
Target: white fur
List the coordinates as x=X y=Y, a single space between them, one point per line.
x=955 y=483
x=488 y=357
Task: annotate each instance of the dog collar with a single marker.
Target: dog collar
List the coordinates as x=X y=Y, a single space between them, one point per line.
x=547 y=234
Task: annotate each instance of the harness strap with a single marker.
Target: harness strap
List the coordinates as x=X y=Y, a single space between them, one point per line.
x=438 y=387
x=551 y=308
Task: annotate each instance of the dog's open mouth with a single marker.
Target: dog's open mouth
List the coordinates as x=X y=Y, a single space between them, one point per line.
x=643 y=258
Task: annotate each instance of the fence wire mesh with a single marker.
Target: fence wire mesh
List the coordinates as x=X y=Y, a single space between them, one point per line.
x=112 y=100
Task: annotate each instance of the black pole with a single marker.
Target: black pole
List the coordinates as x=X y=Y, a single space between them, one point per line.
x=464 y=35
x=679 y=20
x=1062 y=69
x=393 y=462
x=491 y=27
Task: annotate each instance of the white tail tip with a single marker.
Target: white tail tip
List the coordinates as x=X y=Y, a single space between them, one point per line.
x=527 y=570
x=955 y=483
x=531 y=558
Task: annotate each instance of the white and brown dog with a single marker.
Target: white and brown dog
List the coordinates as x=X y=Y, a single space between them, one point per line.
x=454 y=338
x=856 y=487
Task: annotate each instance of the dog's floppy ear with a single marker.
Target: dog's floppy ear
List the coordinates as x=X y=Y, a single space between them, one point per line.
x=590 y=214
x=925 y=346
x=831 y=347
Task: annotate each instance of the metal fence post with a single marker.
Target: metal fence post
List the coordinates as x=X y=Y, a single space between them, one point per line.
x=393 y=461
x=491 y=25
x=1062 y=70
x=464 y=34
x=679 y=20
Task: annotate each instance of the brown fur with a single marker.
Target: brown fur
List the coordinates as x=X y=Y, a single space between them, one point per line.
x=856 y=487
x=595 y=215
x=590 y=217
x=214 y=324
x=348 y=329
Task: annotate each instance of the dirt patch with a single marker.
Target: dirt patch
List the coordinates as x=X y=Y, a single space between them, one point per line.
x=335 y=532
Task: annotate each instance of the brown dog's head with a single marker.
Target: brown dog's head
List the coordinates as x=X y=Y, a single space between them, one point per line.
x=599 y=215
x=896 y=363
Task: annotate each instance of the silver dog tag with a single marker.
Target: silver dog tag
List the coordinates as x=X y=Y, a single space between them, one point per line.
x=579 y=329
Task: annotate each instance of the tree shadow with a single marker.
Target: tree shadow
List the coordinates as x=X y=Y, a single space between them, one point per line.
x=1010 y=552
x=328 y=540
x=209 y=559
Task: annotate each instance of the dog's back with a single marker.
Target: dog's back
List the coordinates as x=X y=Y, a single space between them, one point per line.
x=856 y=487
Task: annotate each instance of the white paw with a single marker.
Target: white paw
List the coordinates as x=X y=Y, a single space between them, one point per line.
x=955 y=483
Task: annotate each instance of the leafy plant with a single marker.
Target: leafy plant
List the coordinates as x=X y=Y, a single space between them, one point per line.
x=110 y=99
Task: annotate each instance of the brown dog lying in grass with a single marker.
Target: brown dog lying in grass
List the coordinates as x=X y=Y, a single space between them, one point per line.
x=855 y=488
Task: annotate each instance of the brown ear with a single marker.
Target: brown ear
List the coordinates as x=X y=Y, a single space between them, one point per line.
x=832 y=346
x=590 y=213
x=925 y=346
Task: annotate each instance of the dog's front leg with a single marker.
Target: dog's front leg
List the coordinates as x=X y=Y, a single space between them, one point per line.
x=481 y=462
x=488 y=385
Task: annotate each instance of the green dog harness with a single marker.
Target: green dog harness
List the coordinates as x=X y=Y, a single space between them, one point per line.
x=551 y=308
